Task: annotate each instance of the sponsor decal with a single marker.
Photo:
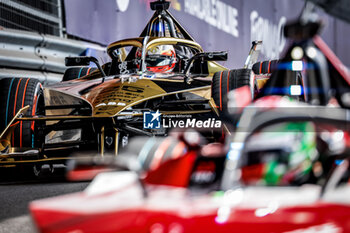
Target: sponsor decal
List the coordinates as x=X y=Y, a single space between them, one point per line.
x=133 y=89
x=123 y=67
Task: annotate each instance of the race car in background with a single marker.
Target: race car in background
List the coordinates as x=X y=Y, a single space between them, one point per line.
x=162 y=72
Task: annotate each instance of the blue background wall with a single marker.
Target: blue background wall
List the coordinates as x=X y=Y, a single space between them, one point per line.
x=216 y=24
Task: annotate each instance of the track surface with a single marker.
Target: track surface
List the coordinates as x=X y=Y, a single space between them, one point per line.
x=17 y=191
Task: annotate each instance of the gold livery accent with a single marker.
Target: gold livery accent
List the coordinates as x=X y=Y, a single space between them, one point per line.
x=102 y=140
x=7 y=133
x=116 y=141
x=110 y=110
x=53 y=118
x=113 y=96
x=155 y=41
x=135 y=42
x=152 y=42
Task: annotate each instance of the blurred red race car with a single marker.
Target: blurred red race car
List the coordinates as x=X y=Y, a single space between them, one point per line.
x=296 y=181
x=283 y=170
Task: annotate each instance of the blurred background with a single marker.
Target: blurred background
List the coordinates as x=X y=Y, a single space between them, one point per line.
x=36 y=35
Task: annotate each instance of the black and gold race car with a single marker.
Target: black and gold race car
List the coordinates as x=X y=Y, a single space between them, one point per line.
x=163 y=72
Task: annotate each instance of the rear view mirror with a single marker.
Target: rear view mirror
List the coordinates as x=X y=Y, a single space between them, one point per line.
x=82 y=168
x=213 y=56
x=208 y=56
x=84 y=61
x=78 y=61
x=86 y=168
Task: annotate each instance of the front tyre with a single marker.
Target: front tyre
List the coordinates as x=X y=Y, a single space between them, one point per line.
x=16 y=93
x=225 y=81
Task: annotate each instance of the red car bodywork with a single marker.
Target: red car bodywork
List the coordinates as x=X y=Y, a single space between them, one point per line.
x=174 y=208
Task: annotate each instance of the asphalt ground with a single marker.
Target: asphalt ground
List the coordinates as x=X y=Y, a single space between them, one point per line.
x=19 y=188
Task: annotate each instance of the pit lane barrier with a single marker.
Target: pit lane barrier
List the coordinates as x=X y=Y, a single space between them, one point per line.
x=34 y=55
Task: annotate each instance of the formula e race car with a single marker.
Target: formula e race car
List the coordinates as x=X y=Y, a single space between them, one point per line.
x=282 y=171
x=162 y=72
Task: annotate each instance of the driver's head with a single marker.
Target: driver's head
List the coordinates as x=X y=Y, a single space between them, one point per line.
x=159 y=59
x=287 y=159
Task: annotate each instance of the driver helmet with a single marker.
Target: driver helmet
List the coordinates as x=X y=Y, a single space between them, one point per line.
x=160 y=59
x=277 y=168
